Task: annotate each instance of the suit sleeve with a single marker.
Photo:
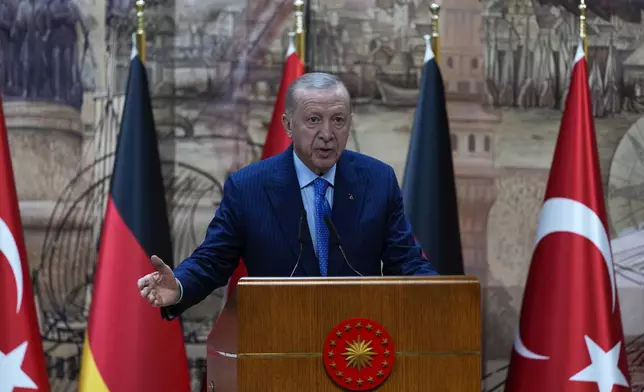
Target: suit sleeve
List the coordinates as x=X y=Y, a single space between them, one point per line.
x=401 y=254
x=212 y=264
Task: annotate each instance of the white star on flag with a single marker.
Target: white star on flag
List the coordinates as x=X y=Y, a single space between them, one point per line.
x=11 y=374
x=603 y=368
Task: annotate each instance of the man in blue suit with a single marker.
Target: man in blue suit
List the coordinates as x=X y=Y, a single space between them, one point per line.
x=265 y=205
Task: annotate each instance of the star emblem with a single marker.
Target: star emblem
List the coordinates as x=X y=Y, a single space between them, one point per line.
x=603 y=368
x=359 y=354
x=11 y=374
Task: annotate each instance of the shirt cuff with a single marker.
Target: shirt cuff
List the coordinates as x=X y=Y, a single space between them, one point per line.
x=180 y=290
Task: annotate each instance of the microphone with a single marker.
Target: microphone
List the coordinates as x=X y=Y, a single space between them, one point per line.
x=301 y=235
x=335 y=240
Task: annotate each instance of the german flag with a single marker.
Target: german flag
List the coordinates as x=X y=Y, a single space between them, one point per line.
x=128 y=346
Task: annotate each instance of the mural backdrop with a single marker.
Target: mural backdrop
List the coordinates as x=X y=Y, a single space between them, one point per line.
x=214 y=70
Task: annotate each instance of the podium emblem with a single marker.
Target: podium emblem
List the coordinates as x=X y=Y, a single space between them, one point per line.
x=358 y=354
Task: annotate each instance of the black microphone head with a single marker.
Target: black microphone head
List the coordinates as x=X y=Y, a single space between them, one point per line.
x=335 y=237
x=303 y=227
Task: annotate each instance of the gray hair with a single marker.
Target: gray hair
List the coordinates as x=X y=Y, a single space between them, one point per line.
x=312 y=80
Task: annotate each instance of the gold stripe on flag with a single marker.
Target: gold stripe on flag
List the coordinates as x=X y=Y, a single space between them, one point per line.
x=90 y=377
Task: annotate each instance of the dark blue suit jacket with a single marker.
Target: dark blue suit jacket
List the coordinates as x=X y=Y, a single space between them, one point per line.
x=259 y=219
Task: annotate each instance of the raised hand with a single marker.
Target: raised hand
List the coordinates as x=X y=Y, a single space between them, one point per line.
x=160 y=287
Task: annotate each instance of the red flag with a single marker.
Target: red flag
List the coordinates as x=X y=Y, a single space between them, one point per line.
x=570 y=335
x=276 y=139
x=22 y=360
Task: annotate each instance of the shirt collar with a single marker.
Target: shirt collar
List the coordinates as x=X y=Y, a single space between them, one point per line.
x=305 y=176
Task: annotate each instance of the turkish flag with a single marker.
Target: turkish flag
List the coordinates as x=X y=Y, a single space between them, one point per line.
x=276 y=139
x=22 y=360
x=570 y=331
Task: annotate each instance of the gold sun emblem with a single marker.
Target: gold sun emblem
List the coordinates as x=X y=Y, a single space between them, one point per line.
x=359 y=354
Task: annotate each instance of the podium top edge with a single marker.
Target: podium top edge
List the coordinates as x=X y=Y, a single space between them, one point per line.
x=362 y=280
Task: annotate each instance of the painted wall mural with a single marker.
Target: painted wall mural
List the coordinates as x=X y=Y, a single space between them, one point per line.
x=214 y=68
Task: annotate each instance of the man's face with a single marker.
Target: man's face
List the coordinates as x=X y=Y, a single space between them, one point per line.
x=319 y=126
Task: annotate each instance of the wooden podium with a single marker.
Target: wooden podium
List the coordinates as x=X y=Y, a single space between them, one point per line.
x=272 y=337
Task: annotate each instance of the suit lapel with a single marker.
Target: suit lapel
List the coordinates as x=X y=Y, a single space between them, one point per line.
x=348 y=200
x=286 y=199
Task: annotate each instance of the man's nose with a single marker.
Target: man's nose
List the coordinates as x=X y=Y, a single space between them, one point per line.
x=325 y=133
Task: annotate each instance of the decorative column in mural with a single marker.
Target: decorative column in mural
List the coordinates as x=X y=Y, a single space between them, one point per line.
x=472 y=126
x=40 y=77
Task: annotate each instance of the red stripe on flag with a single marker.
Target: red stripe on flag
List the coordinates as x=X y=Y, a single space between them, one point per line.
x=133 y=347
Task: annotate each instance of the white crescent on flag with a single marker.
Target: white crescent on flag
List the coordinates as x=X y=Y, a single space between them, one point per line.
x=562 y=215
x=9 y=247
x=11 y=374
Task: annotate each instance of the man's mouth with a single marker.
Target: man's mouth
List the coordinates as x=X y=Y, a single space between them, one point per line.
x=325 y=152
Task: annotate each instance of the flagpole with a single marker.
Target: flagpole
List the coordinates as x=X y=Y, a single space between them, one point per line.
x=307 y=40
x=583 y=30
x=300 y=37
x=140 y=30
x=434 y=8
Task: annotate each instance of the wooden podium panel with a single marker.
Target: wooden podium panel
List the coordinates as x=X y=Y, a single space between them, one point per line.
x=282 y=324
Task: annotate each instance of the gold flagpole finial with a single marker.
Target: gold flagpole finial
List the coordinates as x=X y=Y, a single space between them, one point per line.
x=300 y=34
x=434 y=8
x=140 y=30
x=583 y=28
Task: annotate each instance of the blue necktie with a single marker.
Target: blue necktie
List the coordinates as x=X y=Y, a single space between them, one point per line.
x=322 y=208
